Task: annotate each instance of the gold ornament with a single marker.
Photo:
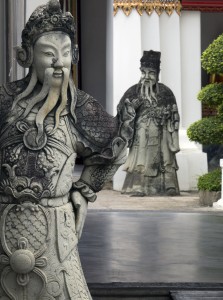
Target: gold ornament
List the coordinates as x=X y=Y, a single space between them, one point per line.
x=169 y=6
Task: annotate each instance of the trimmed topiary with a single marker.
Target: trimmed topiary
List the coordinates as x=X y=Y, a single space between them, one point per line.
x=212 y=57
x=211 y=94
x=207 y=131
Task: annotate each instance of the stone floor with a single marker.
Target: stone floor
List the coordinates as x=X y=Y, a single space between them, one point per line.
x=113 y=200
x=150 y=240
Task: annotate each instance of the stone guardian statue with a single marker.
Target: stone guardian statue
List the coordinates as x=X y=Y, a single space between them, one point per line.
x=45 y=122
x=151 y=165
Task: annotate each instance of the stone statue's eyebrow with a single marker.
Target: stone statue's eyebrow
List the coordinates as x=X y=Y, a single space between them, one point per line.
x=52 y=45
x=66 y=45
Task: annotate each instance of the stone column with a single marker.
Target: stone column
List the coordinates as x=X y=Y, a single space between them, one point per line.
x=3 y=40
x=126 y=53
x=150 y=32
x=15 y=20
x=109 y=58
x=126 y=62
x=192 y=161
x=170 y=54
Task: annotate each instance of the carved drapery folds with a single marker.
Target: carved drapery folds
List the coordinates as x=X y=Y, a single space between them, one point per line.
x=149 y=6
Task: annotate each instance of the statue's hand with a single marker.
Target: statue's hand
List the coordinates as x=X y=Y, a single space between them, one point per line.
x=127 y=111
x=137 y=102
x=80 y=204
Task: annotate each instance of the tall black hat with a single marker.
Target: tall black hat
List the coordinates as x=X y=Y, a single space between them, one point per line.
x=151 y=59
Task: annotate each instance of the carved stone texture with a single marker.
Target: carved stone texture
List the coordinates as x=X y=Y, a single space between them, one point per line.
x=45 y=123
x=151 y=165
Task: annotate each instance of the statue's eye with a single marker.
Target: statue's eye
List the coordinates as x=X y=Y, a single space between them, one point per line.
x=49 y=53
x=36 y=189
x=66 y=53
x=19 y=188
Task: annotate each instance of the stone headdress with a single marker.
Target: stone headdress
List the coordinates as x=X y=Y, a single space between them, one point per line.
x=151 y=59
x=45 y=18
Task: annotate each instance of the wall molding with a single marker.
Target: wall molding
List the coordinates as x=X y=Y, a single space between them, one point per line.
x=149 y=6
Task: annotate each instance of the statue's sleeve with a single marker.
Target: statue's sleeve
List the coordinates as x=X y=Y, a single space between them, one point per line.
x=102 y=141
x=173 y=117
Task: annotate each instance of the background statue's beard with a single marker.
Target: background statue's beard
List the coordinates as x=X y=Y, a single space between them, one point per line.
x=55 y=89
x=147 y=90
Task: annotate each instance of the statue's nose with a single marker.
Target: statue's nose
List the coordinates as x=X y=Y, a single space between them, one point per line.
x=57 y=62
x=147 y=75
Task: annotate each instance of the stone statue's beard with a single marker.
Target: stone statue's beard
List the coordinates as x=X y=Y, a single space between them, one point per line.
x=147 y=91
x=50 y=89
x=55 y=91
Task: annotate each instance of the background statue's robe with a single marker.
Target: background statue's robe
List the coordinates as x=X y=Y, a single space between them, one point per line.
x=151 y=163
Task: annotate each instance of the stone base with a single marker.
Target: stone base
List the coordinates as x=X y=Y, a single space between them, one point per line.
x=218 y=204
x=191 y=160
x=207 y=198
x=192 y=164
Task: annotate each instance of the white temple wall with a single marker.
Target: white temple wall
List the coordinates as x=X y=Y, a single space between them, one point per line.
x=126 y=54
x=192 y=161
x=178 y=39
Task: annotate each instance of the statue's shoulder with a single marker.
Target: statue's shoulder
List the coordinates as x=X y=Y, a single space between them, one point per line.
x=165 y=90
x=166 y=96
x=82 y=98
x=132 y=92
x=8 y=91
x=87 y=105
x=94 y=124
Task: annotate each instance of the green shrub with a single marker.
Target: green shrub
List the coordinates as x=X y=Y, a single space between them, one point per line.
x=212 y=57
x=210 y=181
x=211 y=94
x=207 y=131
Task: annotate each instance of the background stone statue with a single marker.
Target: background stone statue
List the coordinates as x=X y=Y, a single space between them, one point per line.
x=151 y=165
x=45 y=122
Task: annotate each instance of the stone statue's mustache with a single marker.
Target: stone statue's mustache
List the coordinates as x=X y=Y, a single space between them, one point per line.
x=51 y=89
x=146 y=91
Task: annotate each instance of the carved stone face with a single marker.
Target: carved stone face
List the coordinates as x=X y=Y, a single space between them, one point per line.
x=52 y=50
x=148 y=75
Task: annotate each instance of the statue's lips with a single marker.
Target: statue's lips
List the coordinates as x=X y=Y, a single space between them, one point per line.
x=58 y=74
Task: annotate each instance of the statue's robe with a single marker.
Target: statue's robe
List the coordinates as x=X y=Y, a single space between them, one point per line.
x=151 y=164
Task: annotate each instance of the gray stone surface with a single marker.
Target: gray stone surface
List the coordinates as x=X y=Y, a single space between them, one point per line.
x=153 y=247
x=114 y=200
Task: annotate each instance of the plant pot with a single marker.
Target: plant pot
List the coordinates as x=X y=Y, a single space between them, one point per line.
x=207 y=198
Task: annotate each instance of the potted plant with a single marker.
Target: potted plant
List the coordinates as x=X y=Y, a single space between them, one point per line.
x=209 y=186
x=209 y=130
